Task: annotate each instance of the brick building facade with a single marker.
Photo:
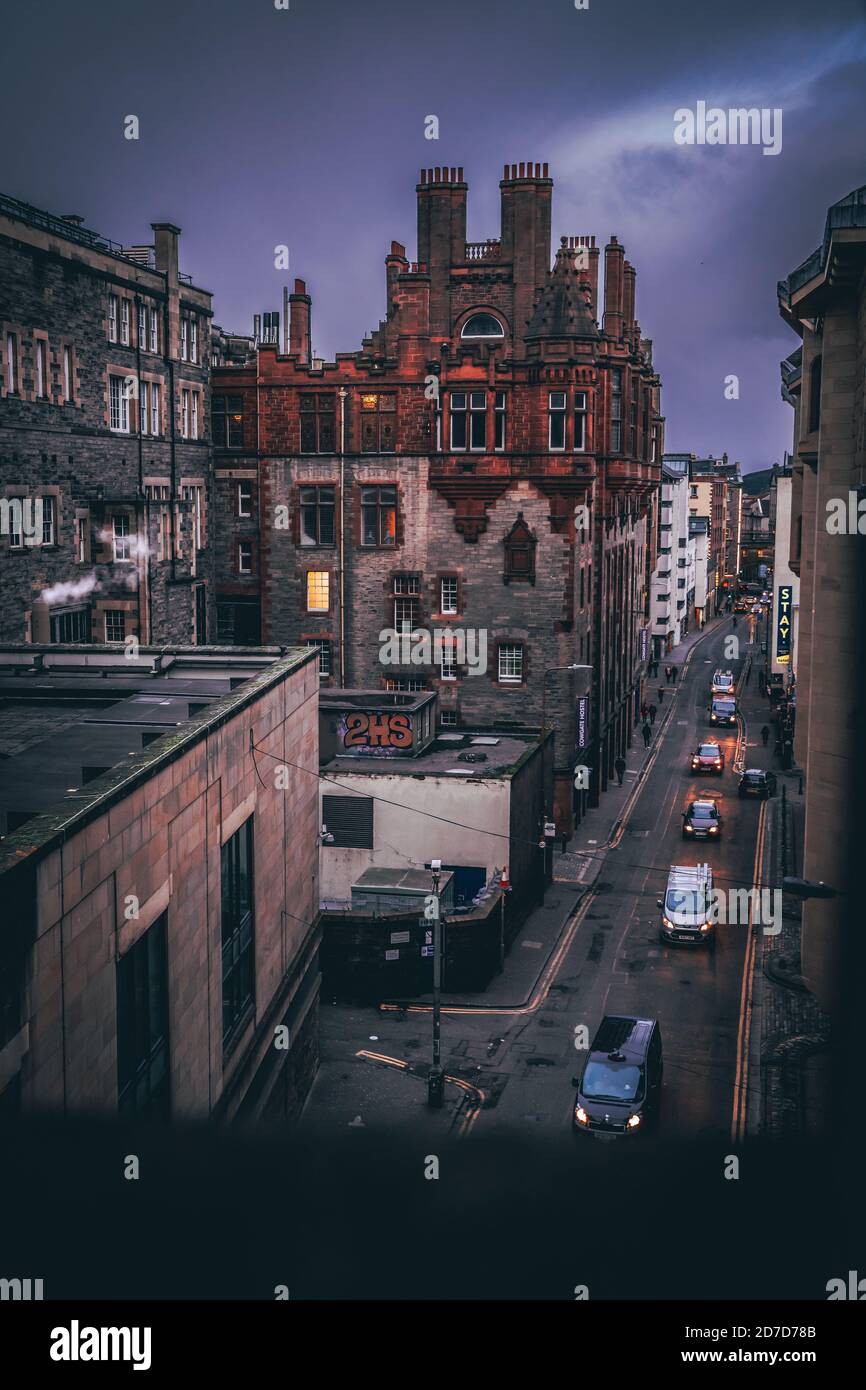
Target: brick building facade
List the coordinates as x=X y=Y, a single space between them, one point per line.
x=105 y=459
x=431 y=480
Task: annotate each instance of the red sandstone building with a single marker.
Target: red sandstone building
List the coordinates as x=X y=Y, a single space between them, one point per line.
x=430 y=480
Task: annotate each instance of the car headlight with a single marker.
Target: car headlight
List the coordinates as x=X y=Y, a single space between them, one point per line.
x=667 y=923
x=690 y=829
x=580 y=1115
x=714 y=830
x=706 y=926
x=632 y=1122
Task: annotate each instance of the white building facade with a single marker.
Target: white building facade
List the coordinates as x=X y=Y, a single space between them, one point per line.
x=673 y=579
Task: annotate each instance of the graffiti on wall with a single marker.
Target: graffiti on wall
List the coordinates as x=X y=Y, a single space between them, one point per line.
x=380 y=732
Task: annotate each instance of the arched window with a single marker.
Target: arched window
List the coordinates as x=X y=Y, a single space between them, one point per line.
x=815 y=395
x=482 y=326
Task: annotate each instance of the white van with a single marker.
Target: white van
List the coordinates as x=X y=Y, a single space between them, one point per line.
x=722 y=683
x=686 y=908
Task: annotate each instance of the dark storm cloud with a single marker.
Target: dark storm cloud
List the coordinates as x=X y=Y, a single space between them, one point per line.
x=305 y=127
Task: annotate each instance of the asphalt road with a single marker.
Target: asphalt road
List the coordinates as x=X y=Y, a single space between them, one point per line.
x=617 y=963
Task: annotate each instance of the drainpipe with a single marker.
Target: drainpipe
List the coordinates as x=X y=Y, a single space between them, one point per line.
x=171 y=411
x=143 y=562
x=342 y=394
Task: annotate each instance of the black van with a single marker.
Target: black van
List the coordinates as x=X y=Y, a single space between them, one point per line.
x=619 y=1090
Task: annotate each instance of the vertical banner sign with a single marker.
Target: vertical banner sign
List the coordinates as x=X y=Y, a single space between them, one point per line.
x=644 y=643
x=783 y=624
x=582 y=721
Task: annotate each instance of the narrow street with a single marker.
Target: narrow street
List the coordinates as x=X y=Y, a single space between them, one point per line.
x=512 y=1063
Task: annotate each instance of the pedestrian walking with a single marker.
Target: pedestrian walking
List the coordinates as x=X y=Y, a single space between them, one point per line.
x=765 y=735
x=620 y=768
x=661 y=694
x=674 y=674
x=644 y=710
x=652 y=713
x=647 y=734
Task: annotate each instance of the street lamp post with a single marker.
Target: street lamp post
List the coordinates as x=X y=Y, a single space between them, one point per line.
x=436 y=1079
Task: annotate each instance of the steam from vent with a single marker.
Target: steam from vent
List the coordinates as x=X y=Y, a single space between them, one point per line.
x=67 y=591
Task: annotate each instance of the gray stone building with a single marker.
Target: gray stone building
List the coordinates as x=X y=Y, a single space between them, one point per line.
x=105 y=454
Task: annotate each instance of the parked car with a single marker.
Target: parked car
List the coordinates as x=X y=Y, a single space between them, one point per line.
x=758 y=781
x=708 y=757
x=701 y=820
x=619 y=1089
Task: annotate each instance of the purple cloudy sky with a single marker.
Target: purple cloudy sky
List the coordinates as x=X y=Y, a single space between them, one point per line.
x=306 y=127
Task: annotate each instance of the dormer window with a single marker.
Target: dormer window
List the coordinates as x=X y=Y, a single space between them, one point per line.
x=519 y=553
x=482 y=326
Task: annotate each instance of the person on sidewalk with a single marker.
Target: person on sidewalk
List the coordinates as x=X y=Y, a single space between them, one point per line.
x=652 y=712
x=647 y=734
x=661 y=694
x=620 y=768
x=644 y=710
x=765 y=735
x=674 y=673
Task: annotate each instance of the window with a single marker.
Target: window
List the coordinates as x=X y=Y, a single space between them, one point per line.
x=82 y=538
x=245 y=557
x=245 y=499
x=194 y=493
x=378 y=422
x=458 y=419
x=142 y=1025
x=194 y=419
x=478 y=420
x=410 y=684
x=616 y=410
x=112 y=318
x=318 y=427
x=350 y=820
x=120 y=538
x=118 y=405
x=556 y=420
x=482 y=326
x=317 y=515
x=449 y=663
x=227 y=420
x=154 y=336
x=11 y=363
x=579 y=421
x=67 y=373
x=407 y=602
x=143 y=403
x=448 y=719
x=41 y=367
x=236 y=882
x=115 y=625
x=499 y=421
x=154 y=409
x=324 y=655
x=632 y=428
x=318 y=591
x=511 y=663
x=184 y=413
x=379 y=515
x=448 y=594
x=71 y=625
x=693 y=491
x=184 y=337
x=142 y=326
x=48 y=518
x=193 y=338
x=124 y=321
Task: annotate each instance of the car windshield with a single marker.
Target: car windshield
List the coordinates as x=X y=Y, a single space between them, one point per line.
x=606 y=1080
x=685 y=900
x=703 y=813
x=709 y=750
x=725 y=706
x=755 y=776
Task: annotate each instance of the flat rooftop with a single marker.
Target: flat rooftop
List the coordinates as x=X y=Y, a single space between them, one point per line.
x=462 y=754
x=79 y=726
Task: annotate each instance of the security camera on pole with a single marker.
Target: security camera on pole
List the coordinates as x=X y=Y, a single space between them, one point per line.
x=436 y=1079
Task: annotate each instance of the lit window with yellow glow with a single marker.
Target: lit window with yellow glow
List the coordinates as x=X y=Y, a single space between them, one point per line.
x=318 y=591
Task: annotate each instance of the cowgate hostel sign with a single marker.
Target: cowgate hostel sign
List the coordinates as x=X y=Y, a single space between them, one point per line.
x=783 y=623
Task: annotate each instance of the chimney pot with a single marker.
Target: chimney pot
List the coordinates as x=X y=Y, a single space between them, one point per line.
x=460 y=173
x=545 y=173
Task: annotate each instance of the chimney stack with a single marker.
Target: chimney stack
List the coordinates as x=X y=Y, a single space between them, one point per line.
x=299 y=326
x=629 y=278
x=441 y=236
x=614 y=257
x=526 y=195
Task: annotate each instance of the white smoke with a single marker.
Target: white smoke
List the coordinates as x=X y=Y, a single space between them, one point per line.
x=69 y=590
